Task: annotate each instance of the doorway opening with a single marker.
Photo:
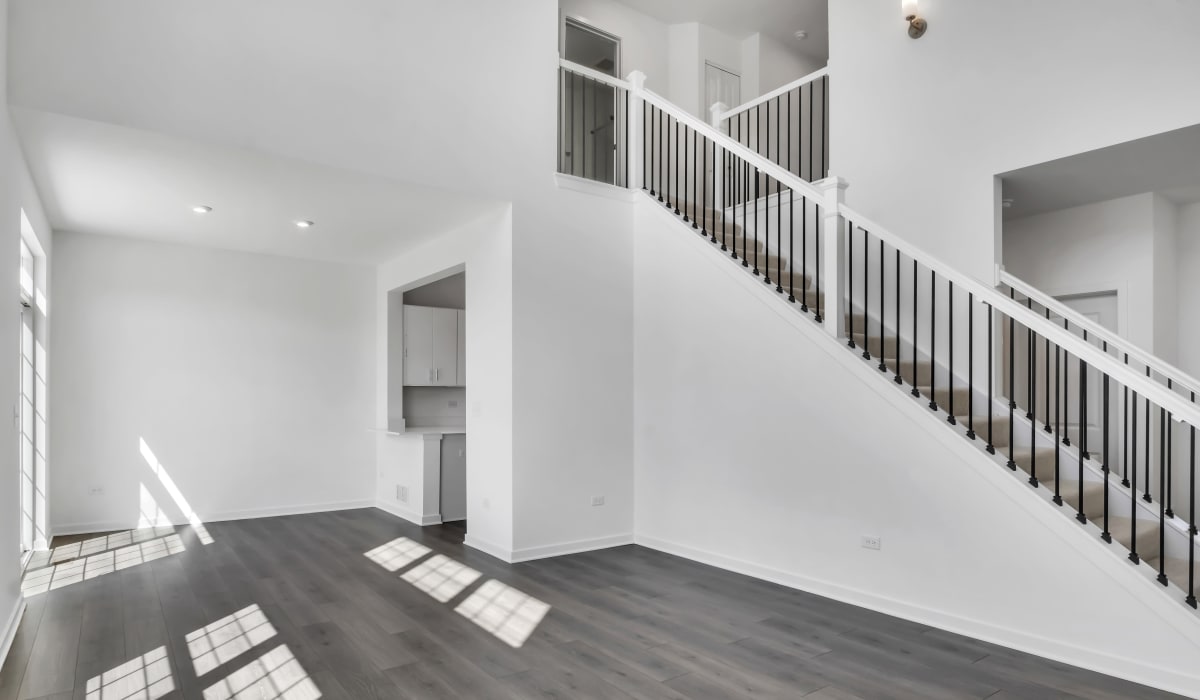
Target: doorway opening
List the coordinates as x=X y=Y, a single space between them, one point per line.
x=588 y=124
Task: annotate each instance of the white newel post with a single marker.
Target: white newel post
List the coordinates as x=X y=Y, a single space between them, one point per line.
x=715 y=113
x=833 y=239
x=636 y=145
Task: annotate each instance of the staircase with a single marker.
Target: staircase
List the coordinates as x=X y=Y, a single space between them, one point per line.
x=1000 y=366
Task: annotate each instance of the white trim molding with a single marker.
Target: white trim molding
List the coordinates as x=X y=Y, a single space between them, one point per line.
x=488 y=548
x=574 y=547
x=9 y=632
x=271 y=512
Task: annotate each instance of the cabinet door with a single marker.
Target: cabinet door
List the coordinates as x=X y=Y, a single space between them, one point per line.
x=445 y=346
x=461 y=374
x=418 y=346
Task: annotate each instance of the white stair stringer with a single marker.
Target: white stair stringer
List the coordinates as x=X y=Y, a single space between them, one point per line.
x=967 y=546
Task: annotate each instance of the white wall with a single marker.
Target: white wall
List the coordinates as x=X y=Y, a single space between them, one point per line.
x=1164 y=216
x=779 y=65
x=1108 y=245
x=778 y=467
x=921 y=127
x=1187 y=257
x=484 y=250
x=248 y=377
x=643 y=38
x=17 y=193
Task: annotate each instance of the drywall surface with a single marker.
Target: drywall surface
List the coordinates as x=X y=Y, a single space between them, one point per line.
x=483 y=250
x=1187 y=256
x=446 y=293
x=1164 y=223
x=245 y=379
x=1097 y=247
x=572 y=378
x=780 y=65
x=779 y=466
x=921 y=127
x=643 y=38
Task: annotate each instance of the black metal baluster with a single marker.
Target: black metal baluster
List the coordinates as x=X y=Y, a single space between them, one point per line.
x=1066 y=409
x=645 y=147
x=932 y=340
x=1162 y=503
x=1058 y=424
x=817 y=260
x=1146 y=494
x=950 y=349
x=779 y=207
x=915 y=306
x=866 y=275
x=1169 y=450
x=726 y=196
x=991 y=449
x=1191 y=591
x=675 y=191
x=1031 y=362
x=757 y=178
x=1046 y=415
x=803 y=255
x=1106 y=535
x=586 y=132
x=695 y=180
x=850 y=280
x=824 y=120
x=1079 y=515
x=882 y=313
x=1032 y=412
x=899 y=380
x=970 y=365
x=745 y=211
x=705 y=222
x=1125 y=439
x=1012 y=405
x=811 y=111
x=1133 y=506
x=662 y=157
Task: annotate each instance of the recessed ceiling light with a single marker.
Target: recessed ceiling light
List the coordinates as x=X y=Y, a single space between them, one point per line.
x=201 y=209
x=801 y=34
x=304 y=223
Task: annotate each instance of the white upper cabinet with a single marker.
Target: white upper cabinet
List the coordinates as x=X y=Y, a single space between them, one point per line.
x=431 y=346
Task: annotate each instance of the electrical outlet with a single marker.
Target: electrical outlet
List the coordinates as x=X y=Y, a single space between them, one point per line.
x=597 y=500
x=96 y=491
x=462 y=453
x=453 y=403
x=401 y=493
x=872 y=542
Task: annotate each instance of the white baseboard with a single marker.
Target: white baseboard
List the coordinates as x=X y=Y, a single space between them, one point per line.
x=575 y=547
x=488 y=548
x=1037 y=645
x=273 y=511
x=400 y=512
x=9 y=631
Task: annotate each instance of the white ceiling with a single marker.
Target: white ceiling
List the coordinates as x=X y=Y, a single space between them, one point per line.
x=778 y=19
x=101 y=178
x=1167 y=163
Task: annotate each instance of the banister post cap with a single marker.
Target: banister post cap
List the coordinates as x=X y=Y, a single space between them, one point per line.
x=637 y=79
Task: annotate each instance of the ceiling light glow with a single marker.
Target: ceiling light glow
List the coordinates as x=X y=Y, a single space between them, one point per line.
x=304 y=223
x=201 y=209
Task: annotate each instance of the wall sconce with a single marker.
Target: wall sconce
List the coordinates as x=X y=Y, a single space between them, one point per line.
x=916 y=25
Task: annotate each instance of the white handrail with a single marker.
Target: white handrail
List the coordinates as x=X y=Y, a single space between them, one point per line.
x=815 y=75
x=1093 y=356
x=775 y=170
x=1176 y=375
x=595 y=74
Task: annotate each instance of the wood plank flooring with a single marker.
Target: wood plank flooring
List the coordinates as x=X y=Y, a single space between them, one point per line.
x=623 y=623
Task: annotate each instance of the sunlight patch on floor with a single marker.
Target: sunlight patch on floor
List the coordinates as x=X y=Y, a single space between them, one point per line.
x=397 y=554
x=275 y=674
x=38 y=581
x=147 y=677
x=441 y=577
x=228 y=638
x=504 y=611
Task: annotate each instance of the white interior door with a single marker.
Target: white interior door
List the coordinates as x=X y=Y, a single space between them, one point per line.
x=720 y=85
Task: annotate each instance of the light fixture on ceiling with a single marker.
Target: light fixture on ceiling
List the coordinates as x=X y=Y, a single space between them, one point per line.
x=916 y=24
x=201 y=209
x=1007 y=202
x=304 y=223
x=801 y=34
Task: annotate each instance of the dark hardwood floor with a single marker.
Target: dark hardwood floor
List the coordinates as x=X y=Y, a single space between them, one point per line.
x=623 y=623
